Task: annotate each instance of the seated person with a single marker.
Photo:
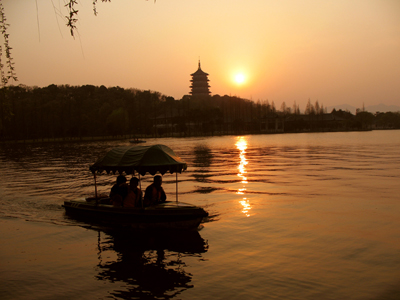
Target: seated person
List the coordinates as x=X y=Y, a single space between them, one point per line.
x=119 y=191
x=154 y=193
x=134 y=197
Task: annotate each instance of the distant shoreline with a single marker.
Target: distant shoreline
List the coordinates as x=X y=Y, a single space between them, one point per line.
x=127 y=137
x=69 y=139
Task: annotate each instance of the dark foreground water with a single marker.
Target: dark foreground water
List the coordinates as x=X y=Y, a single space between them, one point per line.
x=294 y=216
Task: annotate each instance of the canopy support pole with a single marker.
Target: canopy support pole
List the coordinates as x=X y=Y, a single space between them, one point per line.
x=140 y=187
x=95 y=186
x=176 y=187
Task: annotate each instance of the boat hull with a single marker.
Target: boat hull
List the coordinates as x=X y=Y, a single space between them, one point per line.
x=169 y=215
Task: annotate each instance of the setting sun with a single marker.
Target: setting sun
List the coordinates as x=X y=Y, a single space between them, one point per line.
x=240 y=78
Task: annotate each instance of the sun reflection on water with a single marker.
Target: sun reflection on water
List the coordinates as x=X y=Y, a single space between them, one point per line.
x=246 y=206
x=241 y=145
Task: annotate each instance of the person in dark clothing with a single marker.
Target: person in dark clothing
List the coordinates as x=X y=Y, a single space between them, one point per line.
x=119 y=191
x=134 y=197
x=154 y=193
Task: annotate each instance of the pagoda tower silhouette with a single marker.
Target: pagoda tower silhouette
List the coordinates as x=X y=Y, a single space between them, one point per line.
x=199 y=86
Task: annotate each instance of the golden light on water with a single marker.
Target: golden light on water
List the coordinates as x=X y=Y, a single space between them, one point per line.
x=246 y=206
x=241 y=145
x=241 y=191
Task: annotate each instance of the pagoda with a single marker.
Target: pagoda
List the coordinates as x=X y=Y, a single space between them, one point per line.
x=199 y=86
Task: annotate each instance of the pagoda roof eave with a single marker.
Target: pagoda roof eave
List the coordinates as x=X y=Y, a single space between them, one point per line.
x=199 y=72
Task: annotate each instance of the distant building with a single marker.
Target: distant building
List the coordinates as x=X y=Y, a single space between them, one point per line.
x=199 y=86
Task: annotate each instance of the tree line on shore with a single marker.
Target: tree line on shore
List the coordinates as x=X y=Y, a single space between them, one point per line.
x=63 y=111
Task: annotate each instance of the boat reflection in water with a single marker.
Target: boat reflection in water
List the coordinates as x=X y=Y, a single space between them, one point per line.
x=147 y=264
x=241 y=145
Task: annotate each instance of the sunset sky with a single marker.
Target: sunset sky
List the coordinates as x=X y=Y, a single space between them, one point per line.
x=336 y=52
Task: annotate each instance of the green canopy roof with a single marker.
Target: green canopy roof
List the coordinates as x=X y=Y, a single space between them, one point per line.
x=142 y=159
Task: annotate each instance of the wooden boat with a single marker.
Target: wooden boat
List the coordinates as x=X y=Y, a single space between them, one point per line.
x=131 y=160
x=168 y=215
x=137 y=141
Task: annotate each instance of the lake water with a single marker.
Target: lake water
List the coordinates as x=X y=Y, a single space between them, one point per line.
x=293 y=216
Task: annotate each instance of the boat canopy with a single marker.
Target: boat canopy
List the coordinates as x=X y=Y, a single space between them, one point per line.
x=142 y=159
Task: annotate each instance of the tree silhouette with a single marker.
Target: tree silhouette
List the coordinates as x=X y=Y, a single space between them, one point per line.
x=7 y=70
